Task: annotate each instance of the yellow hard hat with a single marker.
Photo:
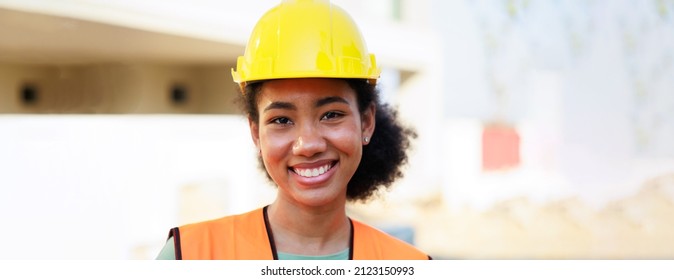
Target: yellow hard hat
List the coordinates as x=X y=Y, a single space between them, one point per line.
x=305 y=39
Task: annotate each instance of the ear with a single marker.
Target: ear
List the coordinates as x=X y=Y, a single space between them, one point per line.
x=368 y=123
x=254 y=132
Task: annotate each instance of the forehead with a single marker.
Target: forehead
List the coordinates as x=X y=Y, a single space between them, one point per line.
x=290 y=90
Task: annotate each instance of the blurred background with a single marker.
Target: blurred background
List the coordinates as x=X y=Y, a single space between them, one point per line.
x=546 y=128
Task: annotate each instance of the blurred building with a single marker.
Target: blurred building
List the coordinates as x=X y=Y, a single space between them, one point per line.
x=545 y=127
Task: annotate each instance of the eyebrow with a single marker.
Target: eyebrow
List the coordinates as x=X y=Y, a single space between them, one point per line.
x=332 y=99
x=319 y=103
x=280 y=105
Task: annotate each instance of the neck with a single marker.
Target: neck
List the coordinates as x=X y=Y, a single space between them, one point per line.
x=309 y=230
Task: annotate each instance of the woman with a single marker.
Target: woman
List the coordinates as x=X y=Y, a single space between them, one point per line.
x=324 y=138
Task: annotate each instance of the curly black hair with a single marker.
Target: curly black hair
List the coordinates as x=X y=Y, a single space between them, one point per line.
x=385 y=155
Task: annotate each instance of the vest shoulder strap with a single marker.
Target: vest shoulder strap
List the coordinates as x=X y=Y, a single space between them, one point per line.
x=242 y=236
x=372 y=244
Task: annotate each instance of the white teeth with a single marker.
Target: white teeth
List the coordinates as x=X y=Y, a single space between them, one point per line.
x=312 y=172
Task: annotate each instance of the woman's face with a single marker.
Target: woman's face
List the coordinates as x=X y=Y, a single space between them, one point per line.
x=310 y=135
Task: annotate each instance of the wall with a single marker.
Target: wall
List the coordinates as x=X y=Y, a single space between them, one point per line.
x=118 y=88
x=110 y=187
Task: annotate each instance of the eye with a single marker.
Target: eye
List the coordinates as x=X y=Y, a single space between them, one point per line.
x=332 y=115
x=281 y=121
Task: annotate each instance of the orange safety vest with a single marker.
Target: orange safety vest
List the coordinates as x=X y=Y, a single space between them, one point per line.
x=247 y=237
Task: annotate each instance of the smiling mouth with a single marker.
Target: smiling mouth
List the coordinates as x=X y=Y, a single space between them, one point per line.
x=313 y=172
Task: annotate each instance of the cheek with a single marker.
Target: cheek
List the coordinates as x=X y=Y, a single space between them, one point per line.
x=274 y=147
x=346 y=140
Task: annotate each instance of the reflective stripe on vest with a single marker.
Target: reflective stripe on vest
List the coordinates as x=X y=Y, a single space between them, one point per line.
x=245 y=237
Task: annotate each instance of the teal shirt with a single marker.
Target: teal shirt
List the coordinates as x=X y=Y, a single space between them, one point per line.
x=168 y=253
x=343 y=255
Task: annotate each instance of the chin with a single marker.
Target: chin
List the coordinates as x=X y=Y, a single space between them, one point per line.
x=319 y=200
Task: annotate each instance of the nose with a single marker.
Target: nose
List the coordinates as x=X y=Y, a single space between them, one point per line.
x=309 y=141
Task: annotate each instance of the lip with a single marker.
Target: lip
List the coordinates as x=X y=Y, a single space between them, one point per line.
x=317 y=180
